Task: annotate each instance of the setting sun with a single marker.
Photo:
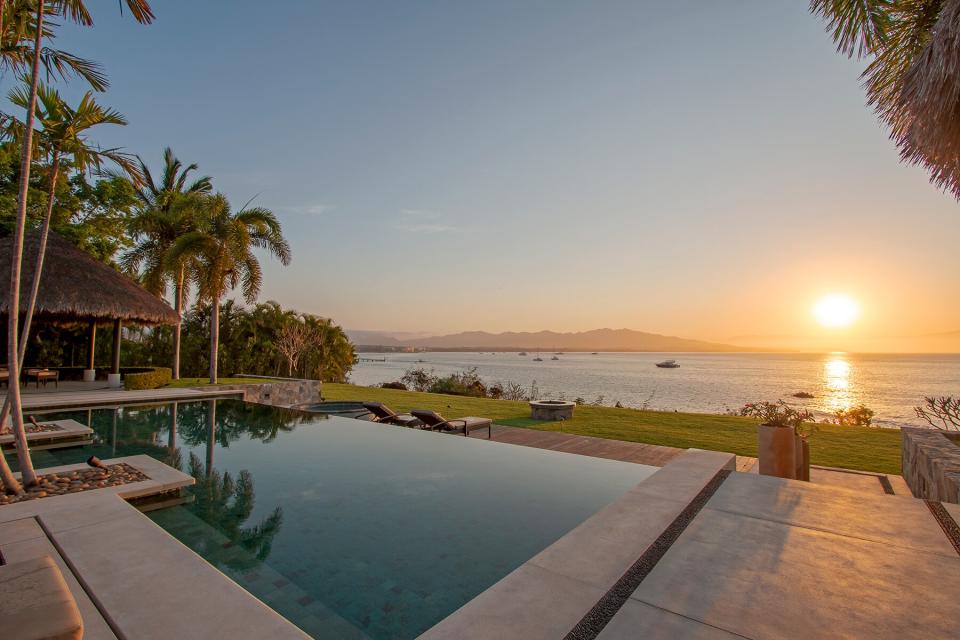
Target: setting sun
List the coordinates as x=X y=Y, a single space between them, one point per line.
x=836 y=311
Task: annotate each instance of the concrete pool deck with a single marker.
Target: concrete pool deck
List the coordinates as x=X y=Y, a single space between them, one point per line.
x=698 y=551
x=130 y=578
x=92 y=396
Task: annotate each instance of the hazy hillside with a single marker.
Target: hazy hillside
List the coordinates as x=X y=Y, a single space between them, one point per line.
x=596 y=340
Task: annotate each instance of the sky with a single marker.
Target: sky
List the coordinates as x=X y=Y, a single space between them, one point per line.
x=701 y=169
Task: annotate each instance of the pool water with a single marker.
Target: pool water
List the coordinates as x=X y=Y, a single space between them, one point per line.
x=353 y=529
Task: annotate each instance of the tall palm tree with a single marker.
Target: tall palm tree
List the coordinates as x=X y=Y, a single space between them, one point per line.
x=912 y=79
x=160 y=220
x=17 y=32
x=76 y=10
x=224 y=247
x=64 y=137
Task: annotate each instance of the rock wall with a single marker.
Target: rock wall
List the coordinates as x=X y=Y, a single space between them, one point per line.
x=280 y=394
x=931 y=464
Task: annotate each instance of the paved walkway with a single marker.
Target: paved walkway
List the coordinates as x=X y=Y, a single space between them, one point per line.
x=658 y=456
x=584 y=445
x=104 y=397
x=129 y=577
x=698 y=552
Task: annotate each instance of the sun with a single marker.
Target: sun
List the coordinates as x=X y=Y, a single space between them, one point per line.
x=836 y=311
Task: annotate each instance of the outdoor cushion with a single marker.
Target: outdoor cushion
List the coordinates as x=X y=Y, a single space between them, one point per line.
x=36 y=603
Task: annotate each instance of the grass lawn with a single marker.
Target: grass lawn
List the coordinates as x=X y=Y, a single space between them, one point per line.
x=847 y=447
x=205 y=382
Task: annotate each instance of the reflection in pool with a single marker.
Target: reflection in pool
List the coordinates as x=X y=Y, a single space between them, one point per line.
x=353 y=529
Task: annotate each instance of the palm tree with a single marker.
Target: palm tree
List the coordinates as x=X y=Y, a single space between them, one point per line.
x=76 y=10
x=160 y=220
x=911 y=80
x=17 y=33
x=63 y=136
x=223 y=247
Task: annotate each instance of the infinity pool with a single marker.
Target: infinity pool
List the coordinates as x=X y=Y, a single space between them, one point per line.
x=353 y=529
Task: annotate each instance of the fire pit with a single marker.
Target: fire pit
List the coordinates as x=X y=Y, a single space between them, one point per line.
x=552 y=410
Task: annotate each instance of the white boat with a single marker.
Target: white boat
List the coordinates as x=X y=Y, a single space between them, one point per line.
x=554 y=358
x=668 y=364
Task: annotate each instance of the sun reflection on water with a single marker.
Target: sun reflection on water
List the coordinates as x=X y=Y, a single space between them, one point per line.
x=836 y=372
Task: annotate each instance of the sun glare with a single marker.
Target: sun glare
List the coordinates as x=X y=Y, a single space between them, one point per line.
x=836 y=311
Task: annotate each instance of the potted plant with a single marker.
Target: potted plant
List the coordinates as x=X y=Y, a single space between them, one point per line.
x=782 y=446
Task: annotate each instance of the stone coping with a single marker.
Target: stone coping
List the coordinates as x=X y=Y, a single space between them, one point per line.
x=143 y=582
x=67 y=430
x=113 y=397
x=550 y=594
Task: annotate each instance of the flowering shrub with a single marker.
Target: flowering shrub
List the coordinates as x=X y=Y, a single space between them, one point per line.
x=779 y=414
x=858 y=416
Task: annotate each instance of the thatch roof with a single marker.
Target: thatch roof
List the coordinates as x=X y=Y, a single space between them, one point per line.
x=76 y=287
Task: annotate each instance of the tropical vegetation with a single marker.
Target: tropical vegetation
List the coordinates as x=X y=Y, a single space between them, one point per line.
x=866 y=449
x=913 y=75
x=26 y=63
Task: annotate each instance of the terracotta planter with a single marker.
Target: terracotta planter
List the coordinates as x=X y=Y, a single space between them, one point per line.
x=776 y=449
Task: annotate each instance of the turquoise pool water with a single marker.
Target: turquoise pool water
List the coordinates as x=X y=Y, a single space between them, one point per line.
x=353 y=529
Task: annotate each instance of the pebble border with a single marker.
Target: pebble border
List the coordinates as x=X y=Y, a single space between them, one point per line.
x=946 y=522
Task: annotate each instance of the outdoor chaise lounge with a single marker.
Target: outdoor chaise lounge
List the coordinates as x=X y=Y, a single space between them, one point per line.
x=436 y=422
x=382 y=413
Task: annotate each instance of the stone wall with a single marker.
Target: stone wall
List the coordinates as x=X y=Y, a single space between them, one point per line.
x=280 y=394
x=931 y=464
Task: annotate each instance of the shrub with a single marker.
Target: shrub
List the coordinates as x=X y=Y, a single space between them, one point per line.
x=418 y=379
x=465 y=383
x=394 y=385
x=858 y=416
x=153 y=378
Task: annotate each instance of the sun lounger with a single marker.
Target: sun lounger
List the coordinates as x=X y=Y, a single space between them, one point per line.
x=436 y=422
x=382 y=413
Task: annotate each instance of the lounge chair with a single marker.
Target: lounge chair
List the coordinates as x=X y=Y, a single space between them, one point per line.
x=437 y=422
x=382 y=413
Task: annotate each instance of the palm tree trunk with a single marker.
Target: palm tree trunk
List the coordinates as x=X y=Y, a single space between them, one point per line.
x=214 y=338
x=13 y=352
x=35 y=286
x=178 y=307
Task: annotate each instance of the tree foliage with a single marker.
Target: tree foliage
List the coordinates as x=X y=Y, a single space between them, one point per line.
x=913 y=75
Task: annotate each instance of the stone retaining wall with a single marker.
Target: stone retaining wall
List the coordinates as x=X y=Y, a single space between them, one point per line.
x=280 y=394
x=931 y=464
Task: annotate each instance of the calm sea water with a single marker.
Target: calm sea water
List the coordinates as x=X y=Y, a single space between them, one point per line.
x=891 y=385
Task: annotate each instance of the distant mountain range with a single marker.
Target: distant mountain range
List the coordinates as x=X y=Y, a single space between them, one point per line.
x=596 y=340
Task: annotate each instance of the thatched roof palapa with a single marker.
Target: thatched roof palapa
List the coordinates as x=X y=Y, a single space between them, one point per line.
x=76 y=287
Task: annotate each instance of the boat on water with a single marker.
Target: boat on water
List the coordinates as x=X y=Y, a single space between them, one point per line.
x=554 y=358
x=522 y=353
x=594 y=353
x=668 y=364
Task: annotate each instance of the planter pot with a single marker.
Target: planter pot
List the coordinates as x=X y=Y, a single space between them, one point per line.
x=776 y=449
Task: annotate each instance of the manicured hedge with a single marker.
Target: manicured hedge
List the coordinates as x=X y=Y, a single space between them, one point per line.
x=152 y=378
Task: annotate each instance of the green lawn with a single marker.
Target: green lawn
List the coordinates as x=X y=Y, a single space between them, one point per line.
x=205 y=382
x=832 y=446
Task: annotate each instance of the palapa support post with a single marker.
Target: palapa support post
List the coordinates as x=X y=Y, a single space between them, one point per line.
x=90 y=373
x=113 y=378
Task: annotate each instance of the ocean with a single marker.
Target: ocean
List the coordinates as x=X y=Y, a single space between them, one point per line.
x=890 y=384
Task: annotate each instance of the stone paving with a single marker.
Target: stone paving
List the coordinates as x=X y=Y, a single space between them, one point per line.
x=764 y=558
